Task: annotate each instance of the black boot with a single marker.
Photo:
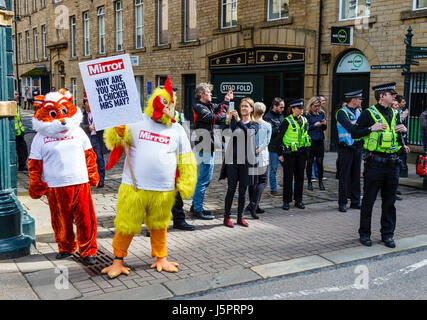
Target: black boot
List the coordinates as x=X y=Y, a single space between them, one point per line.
x=321 y=186
x=309 y=186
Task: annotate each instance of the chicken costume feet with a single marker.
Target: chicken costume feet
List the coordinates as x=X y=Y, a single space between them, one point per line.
x=163 y=264
x=116 y=269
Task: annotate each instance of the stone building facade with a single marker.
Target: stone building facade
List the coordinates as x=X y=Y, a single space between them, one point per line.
x=262 y=48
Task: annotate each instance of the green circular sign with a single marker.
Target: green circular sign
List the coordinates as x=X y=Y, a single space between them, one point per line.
x=342 y=31
x=357 y=64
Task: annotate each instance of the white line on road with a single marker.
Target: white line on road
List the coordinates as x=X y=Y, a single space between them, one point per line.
x=377 y=282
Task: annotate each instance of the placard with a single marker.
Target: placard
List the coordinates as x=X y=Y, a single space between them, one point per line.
x=111 y=91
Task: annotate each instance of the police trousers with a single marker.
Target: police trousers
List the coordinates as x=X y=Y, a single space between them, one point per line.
x=349 y=175
x=384 y=177
x=294 y=166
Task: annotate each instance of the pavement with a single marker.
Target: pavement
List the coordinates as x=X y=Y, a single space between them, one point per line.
x=213 y=256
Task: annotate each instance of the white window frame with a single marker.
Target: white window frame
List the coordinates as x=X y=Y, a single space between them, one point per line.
x=280 y=11
x=44 y=41
x=119 y=25
x=35 y=44
x=357 y=6
x=21 y=52
x=19 y=4
x=159 y=10
x=225 y=3
x=101 y=30
x=186 y=20
x=86 y=33
x=13 y=49
x=27 y=10
x=414 y=6
x=27 y=43
x=139 y=29
x=34 y=5
x=42 y=3
x=73 y=36
x=74 y=90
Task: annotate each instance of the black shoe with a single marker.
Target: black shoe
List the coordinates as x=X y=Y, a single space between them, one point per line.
x=366 y=241
x=183 y=225
x=259 y=210
x=299 y=205
x=147 y=233
x=202 y=215
x=309 y=186
x=321 y=186
x=90 y=260
x=398 y=198
x=63 y=255
x=204 y=212
x=248 y=208
x=285 y=206
x=398 y=192
x=254 y=215
x=101 y=184
x=342 y=208
x=23 y=169
x=389 y=242
x=356 y=206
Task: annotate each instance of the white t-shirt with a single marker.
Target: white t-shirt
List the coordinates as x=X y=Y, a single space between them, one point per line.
x=153 y=154
x=64 y=161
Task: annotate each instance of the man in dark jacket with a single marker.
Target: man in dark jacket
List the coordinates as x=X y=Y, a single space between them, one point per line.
x=207 y=116
x=275 y=117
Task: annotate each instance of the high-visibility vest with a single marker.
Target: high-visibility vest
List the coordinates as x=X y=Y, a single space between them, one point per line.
x=344 y=135
x=296 y=136
x=382 y=141
x=178 y=117
x=19 y=128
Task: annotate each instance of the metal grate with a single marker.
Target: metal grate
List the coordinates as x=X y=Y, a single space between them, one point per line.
x=417 y=102
x=103 y=260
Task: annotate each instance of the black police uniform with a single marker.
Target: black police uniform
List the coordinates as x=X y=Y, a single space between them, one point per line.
x=349 y=161
x=381 y=172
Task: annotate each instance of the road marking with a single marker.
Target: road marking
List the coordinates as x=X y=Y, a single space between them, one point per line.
x=377 y=282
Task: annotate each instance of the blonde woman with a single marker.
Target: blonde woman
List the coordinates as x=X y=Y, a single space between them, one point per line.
x=239 y=158
x=263 y=138
x=316 y=127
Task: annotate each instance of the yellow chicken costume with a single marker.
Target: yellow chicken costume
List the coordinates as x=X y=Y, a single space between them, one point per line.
x=159 y=164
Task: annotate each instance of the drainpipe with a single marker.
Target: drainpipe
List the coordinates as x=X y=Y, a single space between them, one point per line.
x=318 y=46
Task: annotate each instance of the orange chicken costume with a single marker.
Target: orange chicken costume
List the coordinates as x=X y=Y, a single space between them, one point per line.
x=61 y=165
x=160 y=163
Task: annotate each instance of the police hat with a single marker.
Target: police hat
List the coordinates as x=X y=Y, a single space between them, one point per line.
x=298 y=103
x=354 y=94
x=390 y=86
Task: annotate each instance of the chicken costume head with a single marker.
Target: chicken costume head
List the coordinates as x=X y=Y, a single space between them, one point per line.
x=159 y=164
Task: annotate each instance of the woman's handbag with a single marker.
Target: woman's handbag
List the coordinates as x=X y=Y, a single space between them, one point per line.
x=421 y=165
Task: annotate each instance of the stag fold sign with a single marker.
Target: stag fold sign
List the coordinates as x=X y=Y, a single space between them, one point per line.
x=111 y=91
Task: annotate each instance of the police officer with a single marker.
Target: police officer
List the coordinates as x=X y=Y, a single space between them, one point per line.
x=382 y=131
x=21 y=145
x=294 y=148
x=349 y=152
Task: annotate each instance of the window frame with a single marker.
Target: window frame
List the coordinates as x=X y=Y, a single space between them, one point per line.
x=34 y=5
x=74 y=90
x=27 y=44
x=86 y=33
x=340 y=18
x=186 y=21
x=159 y=10
x=119 y=31
x=21 y=52
x=414 y=6
x=280 y=12
x=44 y=40
x=101 y=36
x=35 y=44
x=228 y=2
x=139 y=6
x=73 y=36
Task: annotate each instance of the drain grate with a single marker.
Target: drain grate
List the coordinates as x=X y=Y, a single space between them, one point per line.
x=103 y=260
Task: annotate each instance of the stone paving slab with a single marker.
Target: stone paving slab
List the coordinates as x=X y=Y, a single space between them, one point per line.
x=51 y=285
x=151 y=292
x=33 y=263
x=14 y=286
x=211 y=281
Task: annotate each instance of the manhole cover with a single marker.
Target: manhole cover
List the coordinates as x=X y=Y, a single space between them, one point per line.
x=103 y=260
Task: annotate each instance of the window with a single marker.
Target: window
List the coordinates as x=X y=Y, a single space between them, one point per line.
x=101 y=30
x=73 y=35
x=21 y=56
x=74 y=90
x=14 y=48
x=139 y=24
x=42 y=3
x=190 y=18
x=26 y=7
x=160 y=81
x=119 y=26
x=27 y=43
x=34 y=5
x=352 y=9
x=18 y=3
x=420 y=4
x=162 y=22
x=86 y=34
x=277 y=9
x=228 y=13
x=35 y=43
x=44 y=41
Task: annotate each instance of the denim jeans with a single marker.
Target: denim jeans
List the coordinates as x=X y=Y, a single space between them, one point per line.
x=274 y=164
x=206 y=168
x=97 y=147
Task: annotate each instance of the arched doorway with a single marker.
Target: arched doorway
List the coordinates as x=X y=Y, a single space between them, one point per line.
x=352 y=72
